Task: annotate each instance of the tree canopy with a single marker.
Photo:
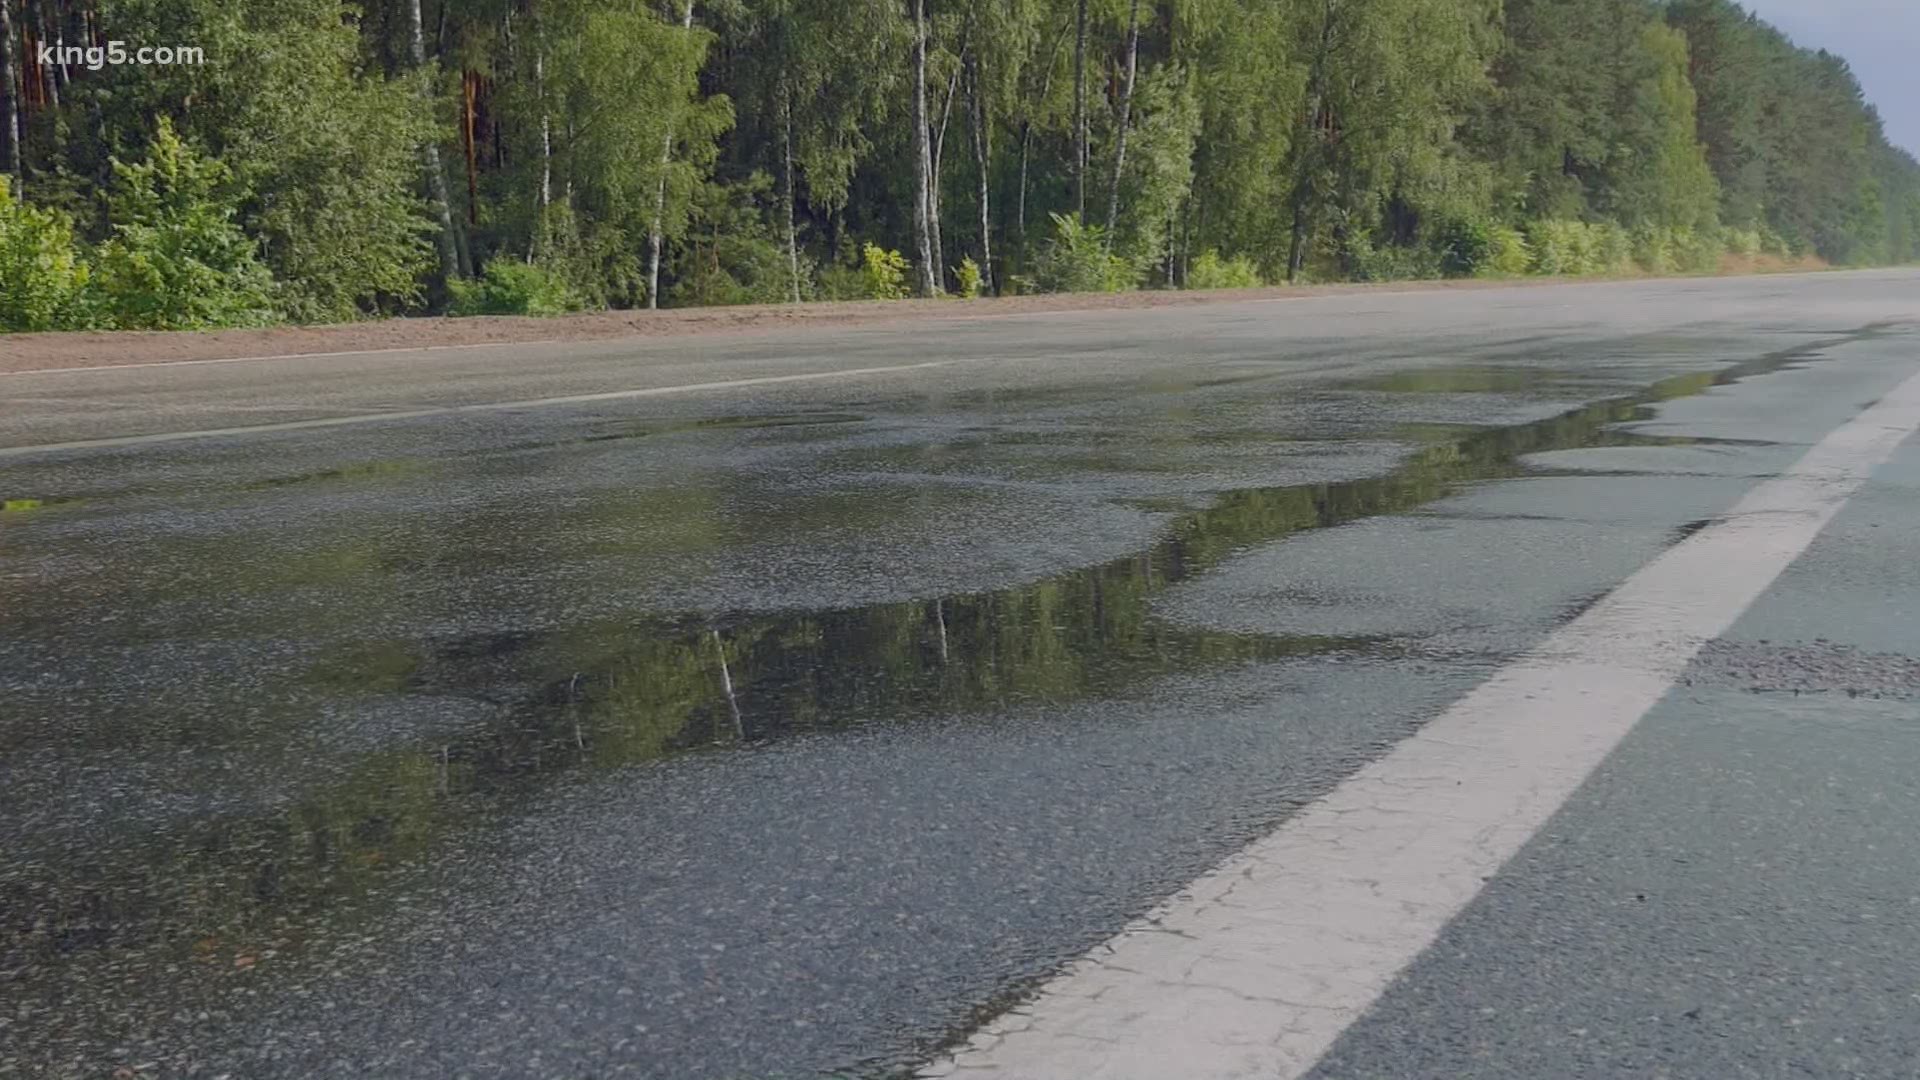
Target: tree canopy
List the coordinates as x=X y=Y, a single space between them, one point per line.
x=558 y=154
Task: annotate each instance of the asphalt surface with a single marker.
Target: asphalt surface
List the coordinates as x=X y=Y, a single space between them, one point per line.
x=796 y=728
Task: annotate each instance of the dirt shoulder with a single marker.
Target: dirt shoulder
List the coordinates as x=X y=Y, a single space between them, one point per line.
x=44 y=352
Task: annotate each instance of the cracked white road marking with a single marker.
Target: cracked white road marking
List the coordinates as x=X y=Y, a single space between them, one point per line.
x=484 y=406
x=1258 y=966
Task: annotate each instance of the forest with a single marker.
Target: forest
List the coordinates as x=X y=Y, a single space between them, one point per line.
x=332 y=160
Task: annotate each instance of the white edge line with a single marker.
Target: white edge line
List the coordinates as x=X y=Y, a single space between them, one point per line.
x=1258 y=966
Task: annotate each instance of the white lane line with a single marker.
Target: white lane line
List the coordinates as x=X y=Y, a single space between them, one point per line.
x=1259 y=965
x=481 y=407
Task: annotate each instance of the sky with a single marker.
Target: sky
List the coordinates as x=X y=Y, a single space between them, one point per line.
x=1880 y=38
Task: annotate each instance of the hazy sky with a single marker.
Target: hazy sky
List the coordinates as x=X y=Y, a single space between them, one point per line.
x=1880 y=38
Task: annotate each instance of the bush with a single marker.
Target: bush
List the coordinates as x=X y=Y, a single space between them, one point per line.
x=1743 y=242
x=1390 y=262
x=843 y=283
x=883 y=273
x=43 y=279
x=968 y=274
x=1465 y=248
x=1664 y=250
x=1563 y=248
x=177 y=260
x=1698 y=251
x=1210 y=271
x=880 y=274
x=512 y=287
x=1077 y=259
x=1612 y=248
x=1508 y=252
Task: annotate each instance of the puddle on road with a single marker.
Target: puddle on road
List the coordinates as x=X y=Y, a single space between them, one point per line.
x=614 y=694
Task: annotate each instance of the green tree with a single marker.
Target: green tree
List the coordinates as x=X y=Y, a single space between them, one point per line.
x=43 y=278
x=178 y=260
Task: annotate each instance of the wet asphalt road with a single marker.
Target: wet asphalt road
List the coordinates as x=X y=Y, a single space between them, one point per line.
x=793 y=728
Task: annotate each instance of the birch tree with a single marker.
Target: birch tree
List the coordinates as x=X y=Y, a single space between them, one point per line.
x=447 y=242
x=11 y=85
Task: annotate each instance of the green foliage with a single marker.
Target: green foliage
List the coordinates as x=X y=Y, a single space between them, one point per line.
x=1612 y=248
x=177 y=259
x=1798 y=152
x=1210 y=271
x=968 y=274
x=1159 y=175
x=1367 y=139
x=511 y=287
x=731 y=253
x=1742 y=243
x=1465 y=248
x=43 y=278
x=1077 y=260
x=1560 y=248
x=1367 y=261
x=1508 y=253
x=326 y=156
x=883 y=273
x=1660 y=176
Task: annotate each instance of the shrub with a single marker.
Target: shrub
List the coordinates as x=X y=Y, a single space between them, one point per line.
x=1653 y=250
x=1612 y=248
x=1664 y=250
x=883 y=273
x=1465 y=248
x=968 y=274
x=1210 y=271
x=1563 y=248
x=511 y=287
x=1743 y=242
x=43 y=279
x=1077 y=259
x=843 y=283
x=177 y=260
x=1508 y=252
x=1390 y=262
x=1698 y=251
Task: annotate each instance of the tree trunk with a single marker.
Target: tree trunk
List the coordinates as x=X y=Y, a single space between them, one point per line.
x=546 y=132
x=655 y=239
x=470 y=106
x=939 y=157
x=1297 y=248
x=786 y=160
x=1126 y=118
x=1020 y=207
x=982 y=158
x=1173 y=241
x=11 y=87
x=1080 y=110
x=438 y=204
x=1310 y=137
x=1026 y=140
x=54 y=77
x=923 y=155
